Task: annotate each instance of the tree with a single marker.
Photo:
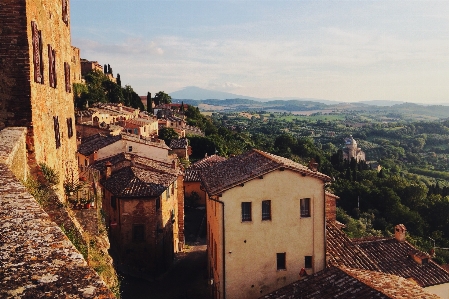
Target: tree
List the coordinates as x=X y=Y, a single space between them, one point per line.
x=149 y=103
x=119 y=81
x=161 y=98
x=167 y=134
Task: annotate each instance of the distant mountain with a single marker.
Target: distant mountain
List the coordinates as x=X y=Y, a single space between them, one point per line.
x=200 y=94
x=196 y=93
x=381 y=103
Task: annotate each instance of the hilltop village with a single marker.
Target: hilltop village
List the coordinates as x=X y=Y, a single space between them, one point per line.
x=87 y=192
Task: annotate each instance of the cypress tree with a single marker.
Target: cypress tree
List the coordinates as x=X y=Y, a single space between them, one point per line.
x=119 y=82
x=149 y=103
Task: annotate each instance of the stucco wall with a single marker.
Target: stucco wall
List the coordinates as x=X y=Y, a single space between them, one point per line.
x=441 y=290
x=251 y=247
x=190 y=187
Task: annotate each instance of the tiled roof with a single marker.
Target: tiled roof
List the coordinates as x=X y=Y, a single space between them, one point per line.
x=239 y=169
x=207 y=162
x=192 y=174
x=139 y=162
x=341 y=251
x=179 y=143
x=393 y=257
x=342 y=282
x=95 y=142
x=136 y=182
x=387 y=255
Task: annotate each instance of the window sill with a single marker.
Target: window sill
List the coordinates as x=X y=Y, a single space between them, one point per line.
x=280 y=270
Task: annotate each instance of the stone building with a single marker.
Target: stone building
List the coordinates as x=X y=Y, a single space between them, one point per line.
x=352 y=151
x=265 y=223
x=89 y=66
x=35 y=79
x=144 y=210
x=181 y=147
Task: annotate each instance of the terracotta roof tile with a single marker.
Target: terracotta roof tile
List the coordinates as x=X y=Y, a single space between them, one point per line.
x=392 y=256
x=341 y=251
x=136 y=182
x=342 y=282
x=239 y=169
x=179 y=143
x=207 y=162
x=192 y=174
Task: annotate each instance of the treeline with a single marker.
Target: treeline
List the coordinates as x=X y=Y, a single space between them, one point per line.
x=99 y=88
x=372 y=202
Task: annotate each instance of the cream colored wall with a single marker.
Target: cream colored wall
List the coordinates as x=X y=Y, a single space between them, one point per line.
x=148 y=151
x=441 y=290
x=251 y=247
x=111 y=149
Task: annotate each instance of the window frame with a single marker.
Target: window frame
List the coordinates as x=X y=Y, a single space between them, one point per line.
x=281 y=261
x=266 y=210
x=308 y=262
x=246 y=215
x=305 y=205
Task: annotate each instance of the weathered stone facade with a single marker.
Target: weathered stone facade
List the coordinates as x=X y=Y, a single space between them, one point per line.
x=36 y=259
x=35 y=79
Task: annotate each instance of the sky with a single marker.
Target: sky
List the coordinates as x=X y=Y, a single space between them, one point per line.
x=334 y=50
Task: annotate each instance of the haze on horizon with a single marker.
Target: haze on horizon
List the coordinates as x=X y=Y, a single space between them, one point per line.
x=333 y=50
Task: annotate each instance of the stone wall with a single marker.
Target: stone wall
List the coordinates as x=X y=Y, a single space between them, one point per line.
x=44 y=105
x=37 y=260
x=13 y=151
x=15 y=89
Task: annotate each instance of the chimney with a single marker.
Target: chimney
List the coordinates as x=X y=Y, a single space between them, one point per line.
x=399 y=232
x=313 y=165
x=108 y=169
x=173 y=164
x=95 y=155
x=419 y=257
x=133 y=160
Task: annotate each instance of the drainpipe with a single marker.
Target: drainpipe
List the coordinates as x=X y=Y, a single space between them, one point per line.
x=223 y=249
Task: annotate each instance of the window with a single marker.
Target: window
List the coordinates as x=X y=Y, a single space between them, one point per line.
x=158 y=203
x=308 y=262
x=57 y=134
x=65 y=12
x=130 y=148
x=113 y=202
x=266 y=210
x=37 y=54
x=305 y=207
x=69 y=127
x=52 y=66
x=246 y=211
x=280 y=259
x=138 y=233
x=68 y=85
